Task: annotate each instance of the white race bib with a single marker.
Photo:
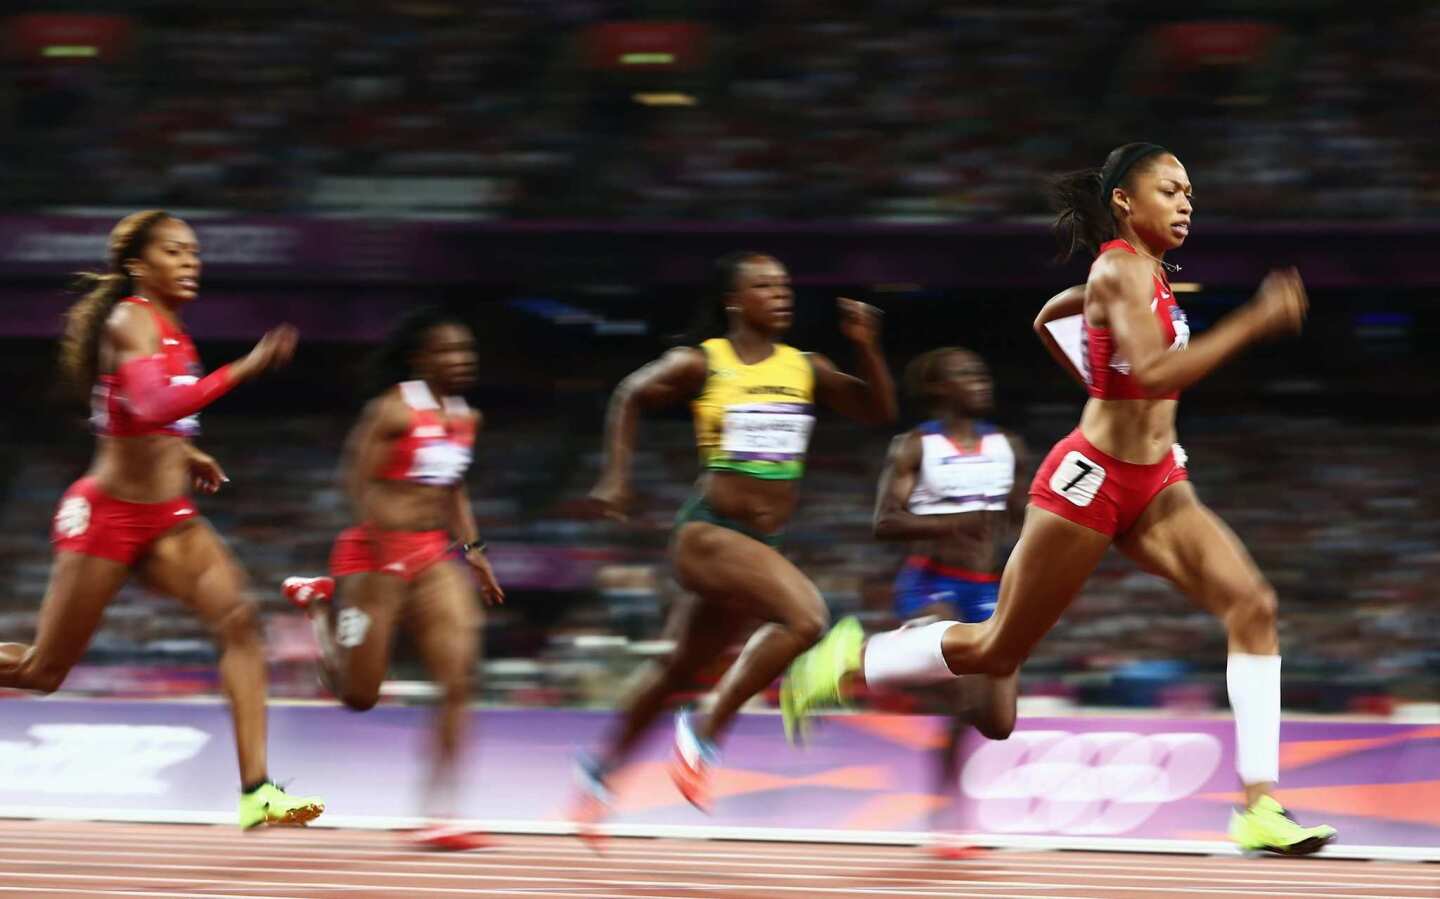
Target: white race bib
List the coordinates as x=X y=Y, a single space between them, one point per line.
x=1077 y=479
x=440 y=463
x=73 y=518
x=190 y=424
x=766 y=432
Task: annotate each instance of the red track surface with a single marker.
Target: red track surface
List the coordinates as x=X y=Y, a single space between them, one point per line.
x=40 y=859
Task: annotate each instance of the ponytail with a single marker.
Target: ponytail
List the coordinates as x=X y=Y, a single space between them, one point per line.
x=1082 y=220
x=84 y=323
x=1083 y=217
x=85 y=320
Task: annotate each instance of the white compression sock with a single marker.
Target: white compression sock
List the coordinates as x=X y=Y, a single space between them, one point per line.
x=908 y=656
x=1254 y=686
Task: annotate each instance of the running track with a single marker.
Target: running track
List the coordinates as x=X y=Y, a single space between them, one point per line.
x=41 y=859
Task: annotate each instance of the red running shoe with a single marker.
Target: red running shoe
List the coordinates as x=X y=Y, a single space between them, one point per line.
x=302 y=591
x=592 y=802
x=449 y=838
x=692 y=763
x=950 y=848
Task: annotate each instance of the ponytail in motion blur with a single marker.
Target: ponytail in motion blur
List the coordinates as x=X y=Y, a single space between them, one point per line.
x=1081 y=200
x=85 y=320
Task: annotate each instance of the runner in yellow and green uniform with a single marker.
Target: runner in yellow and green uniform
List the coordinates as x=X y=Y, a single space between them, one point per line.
x=753 y=398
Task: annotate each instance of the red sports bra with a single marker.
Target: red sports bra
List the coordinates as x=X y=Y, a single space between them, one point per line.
x=435 y=449
x=1107 y=374
x=113 y=411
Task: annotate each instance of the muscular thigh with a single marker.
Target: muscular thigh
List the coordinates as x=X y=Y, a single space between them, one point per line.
x=702 y=630
x=444 y=615
x=192 y=564
x=366 y=610
x=1051 y=562
x=80 y=588
x=729 y=568
x=1183 y=541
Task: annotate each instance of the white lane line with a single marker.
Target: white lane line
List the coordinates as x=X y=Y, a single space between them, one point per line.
x=168 y=894
x=774 y=835
x=1298 y=870
x=1252 y=885
x=703 y=887
x=68 y=891
x=171 y=894
x=718 y=850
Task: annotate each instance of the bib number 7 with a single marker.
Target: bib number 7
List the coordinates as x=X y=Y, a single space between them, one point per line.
x=1077 y=479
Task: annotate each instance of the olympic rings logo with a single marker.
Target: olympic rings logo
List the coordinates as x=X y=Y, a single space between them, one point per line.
x=1105 y=782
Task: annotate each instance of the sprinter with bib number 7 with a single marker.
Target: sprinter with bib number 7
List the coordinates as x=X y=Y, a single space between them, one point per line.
x=1120 y=478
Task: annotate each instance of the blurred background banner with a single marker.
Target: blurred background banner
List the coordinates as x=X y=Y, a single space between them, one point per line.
x=298 y=251
x=1090 y=778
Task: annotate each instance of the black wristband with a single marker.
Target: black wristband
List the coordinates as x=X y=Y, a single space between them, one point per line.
x=473 y=544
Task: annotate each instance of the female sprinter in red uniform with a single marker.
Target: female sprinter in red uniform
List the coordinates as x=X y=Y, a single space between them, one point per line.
x=131 y=513
x=950 y=489
x=404 y=471
x=753 y=398
x=1120 y=479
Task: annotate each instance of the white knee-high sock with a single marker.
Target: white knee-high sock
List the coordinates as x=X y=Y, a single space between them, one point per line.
x=908 y=656
x=1254 y=686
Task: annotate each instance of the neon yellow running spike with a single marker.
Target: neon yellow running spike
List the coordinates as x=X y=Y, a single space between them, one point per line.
x=1267 y=827
x=814 y=678
x=268 y=804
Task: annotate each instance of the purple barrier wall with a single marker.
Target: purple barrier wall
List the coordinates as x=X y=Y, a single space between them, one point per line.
x=964 y=255
x=1095 y=777
x=235 y=313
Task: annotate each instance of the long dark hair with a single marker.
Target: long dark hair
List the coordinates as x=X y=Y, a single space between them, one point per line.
x=85 y=320
x=1081 y=200
x=709 y=319
x=394 y=360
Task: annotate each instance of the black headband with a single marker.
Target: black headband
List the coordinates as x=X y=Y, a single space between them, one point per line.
x=1133 y=154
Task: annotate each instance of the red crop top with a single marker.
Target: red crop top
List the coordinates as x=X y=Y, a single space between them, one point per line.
x=435 y=449
x=158 y=394
x=1107 y=374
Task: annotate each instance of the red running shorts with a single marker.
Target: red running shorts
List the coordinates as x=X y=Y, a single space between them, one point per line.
x=404 y=554
x=93 y=523
x=1081 y=484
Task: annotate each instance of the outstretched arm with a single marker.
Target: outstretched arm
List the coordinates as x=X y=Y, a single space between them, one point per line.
x=154 y=397
x=674 y=377
x=1121 y=284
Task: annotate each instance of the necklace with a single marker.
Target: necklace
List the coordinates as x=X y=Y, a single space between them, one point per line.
x=1170 y=267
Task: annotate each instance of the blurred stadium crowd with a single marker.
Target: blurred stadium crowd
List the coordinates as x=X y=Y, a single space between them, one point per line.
x=912 y=110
